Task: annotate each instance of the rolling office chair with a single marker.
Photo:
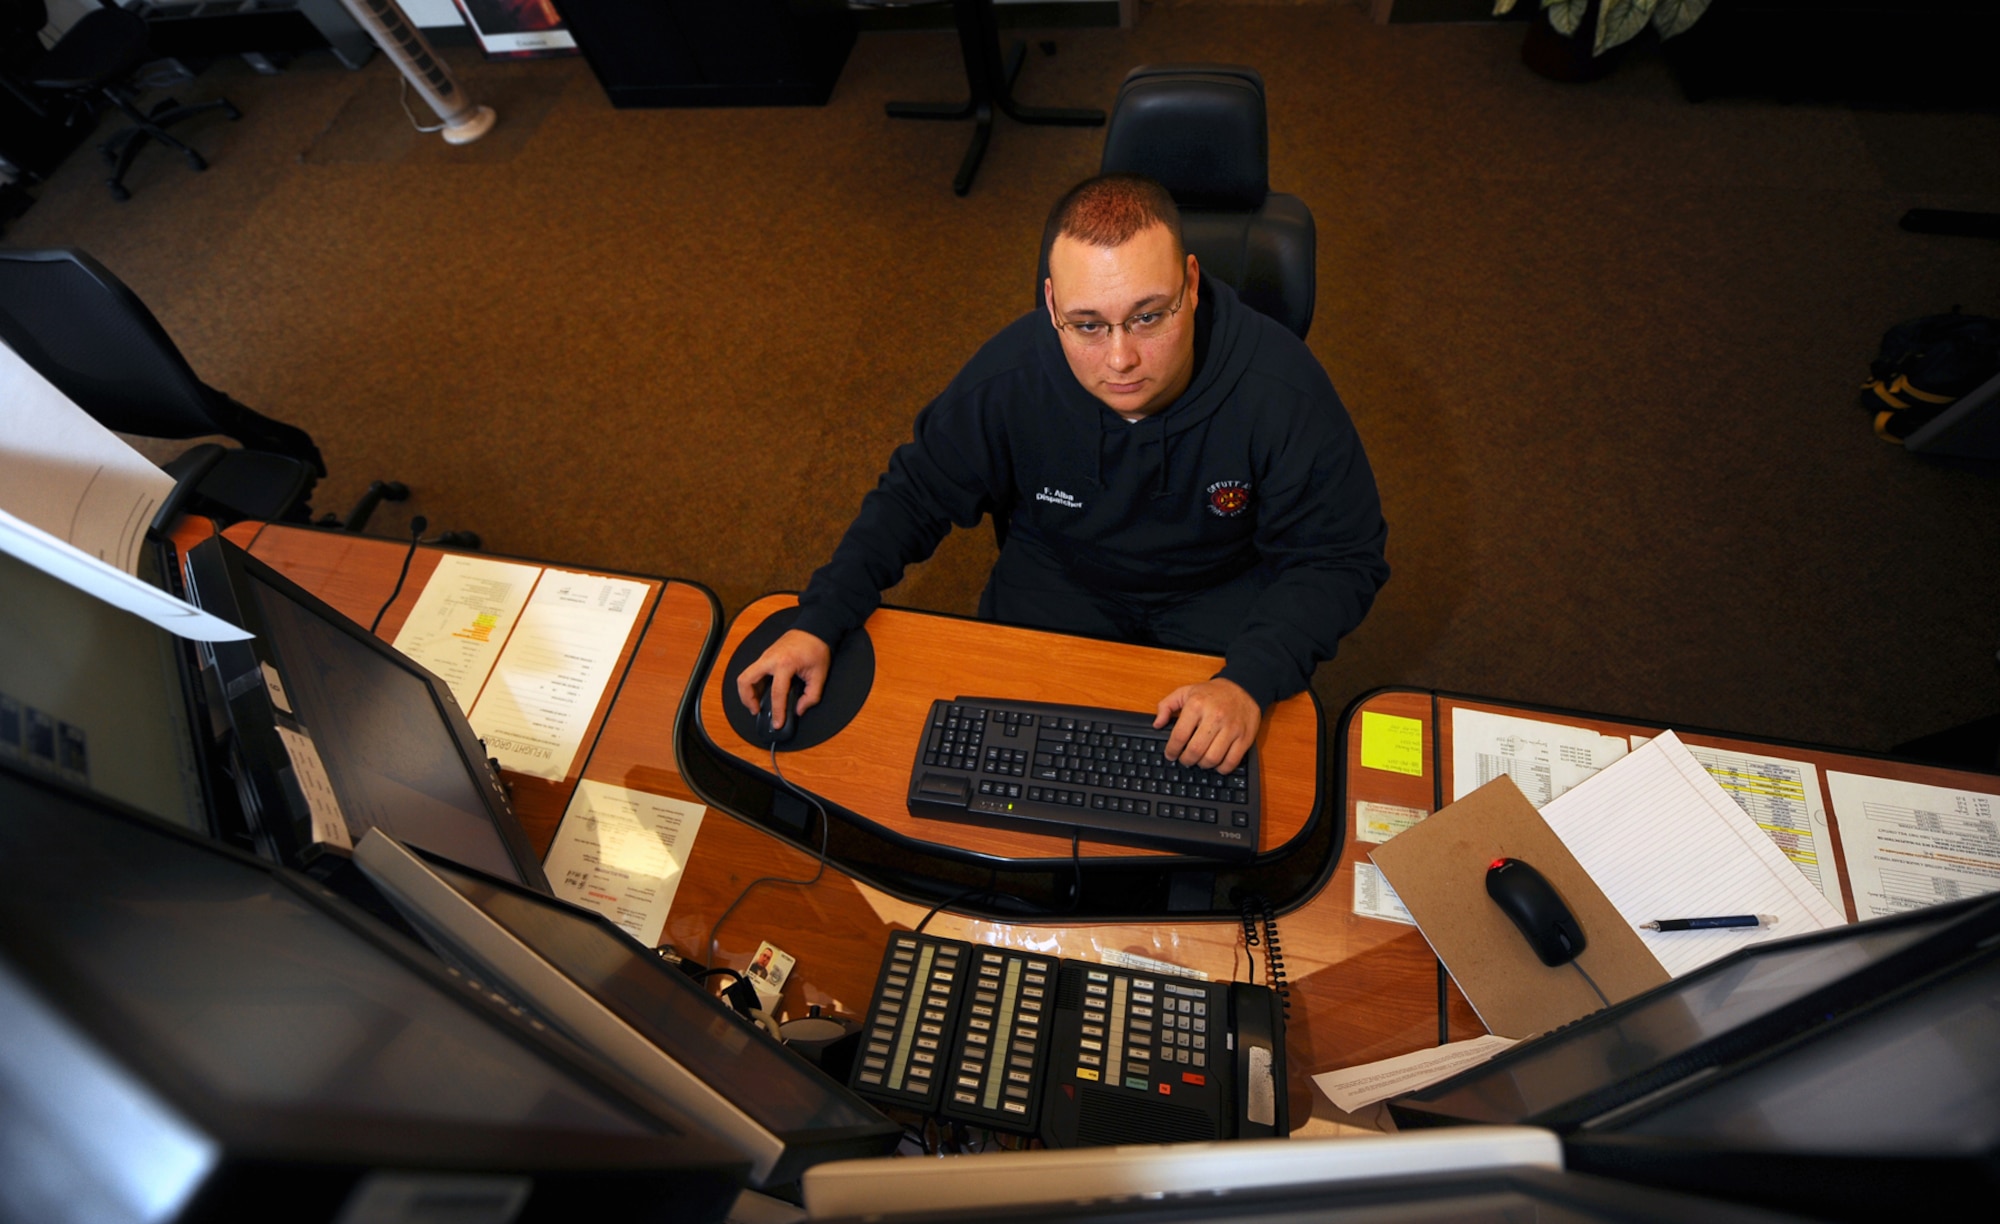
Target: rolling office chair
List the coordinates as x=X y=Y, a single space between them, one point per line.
x=1199 y=129
x=96 y=56
x=95 y=341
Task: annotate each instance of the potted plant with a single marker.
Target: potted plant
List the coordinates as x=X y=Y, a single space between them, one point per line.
x=1568 y=40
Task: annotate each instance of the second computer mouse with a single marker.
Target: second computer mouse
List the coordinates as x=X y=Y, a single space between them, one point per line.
x=766 y=733
x=1534 y=906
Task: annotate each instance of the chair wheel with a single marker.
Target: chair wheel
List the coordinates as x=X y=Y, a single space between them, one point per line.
x=229 y=109
x=196 y=161
x=119 y=191
x=394 y=490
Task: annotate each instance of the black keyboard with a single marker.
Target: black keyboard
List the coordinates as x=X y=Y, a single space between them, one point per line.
x=1054 y=768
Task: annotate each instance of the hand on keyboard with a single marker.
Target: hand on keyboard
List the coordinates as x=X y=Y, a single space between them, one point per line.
x=1216 y=725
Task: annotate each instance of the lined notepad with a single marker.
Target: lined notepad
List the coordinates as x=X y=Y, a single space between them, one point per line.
x=1662 y=840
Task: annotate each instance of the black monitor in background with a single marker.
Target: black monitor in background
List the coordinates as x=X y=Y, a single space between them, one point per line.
x=336 y=732
x=99 y=697
x=195 y=1034
x=611 y=994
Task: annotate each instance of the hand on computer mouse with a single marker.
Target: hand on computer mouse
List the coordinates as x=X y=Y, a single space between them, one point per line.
x=796 y=655
x=779 y=700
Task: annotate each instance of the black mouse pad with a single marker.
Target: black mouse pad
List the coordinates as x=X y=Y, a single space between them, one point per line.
x=847 y=684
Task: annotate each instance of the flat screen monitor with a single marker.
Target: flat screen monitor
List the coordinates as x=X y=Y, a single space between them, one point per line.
x=588 y=978
x=337 y=732
x=97 y=696
x=1889 y=1112
x=1724 y=1012
x=193 y=1033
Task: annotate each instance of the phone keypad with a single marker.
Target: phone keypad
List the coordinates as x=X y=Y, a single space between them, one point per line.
x=904 y=1059
x=997 y=1073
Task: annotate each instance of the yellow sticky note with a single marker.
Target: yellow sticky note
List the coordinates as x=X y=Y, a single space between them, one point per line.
x=1391 y=742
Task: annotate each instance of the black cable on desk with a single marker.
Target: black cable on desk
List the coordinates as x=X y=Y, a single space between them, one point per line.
x=825 y=827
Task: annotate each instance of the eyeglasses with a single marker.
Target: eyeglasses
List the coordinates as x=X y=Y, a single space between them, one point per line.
x=1142 y=326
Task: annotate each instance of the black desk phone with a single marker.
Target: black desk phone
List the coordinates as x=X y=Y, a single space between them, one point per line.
x=1079 y=1054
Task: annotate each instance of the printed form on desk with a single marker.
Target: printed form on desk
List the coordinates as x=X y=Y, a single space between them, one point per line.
x=620 y=852
x=463 y=618
x=1661 y=839
x=545 y=687
x=1909 y=844
x=1545 y=759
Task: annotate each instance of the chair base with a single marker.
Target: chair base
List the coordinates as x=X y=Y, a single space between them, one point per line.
x=123 y=148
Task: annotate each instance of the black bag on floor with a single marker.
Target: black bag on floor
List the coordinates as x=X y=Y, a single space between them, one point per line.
x=1924 y=367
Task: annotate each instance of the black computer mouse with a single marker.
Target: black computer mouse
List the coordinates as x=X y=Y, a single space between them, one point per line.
x=766 y=734
x=1524 y=896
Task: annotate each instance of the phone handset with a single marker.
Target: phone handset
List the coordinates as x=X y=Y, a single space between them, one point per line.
x=1258 y=1030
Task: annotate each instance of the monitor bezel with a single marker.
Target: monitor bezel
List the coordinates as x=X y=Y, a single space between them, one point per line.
x=1966 y=923
x=438 y=911
x=319 y=1135
x=219 y=578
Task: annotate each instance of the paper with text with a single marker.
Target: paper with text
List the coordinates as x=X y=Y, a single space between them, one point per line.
x=66 y=474
x=462 y=619
x=1352 y=1088
x=329 y=823
x=1909 y=845
x=1378 y=822
x=58 y=558
x=1393 y=743
x=1783 y=797
x=1373 y=898
x=1662 y=840
x=620 y=852
x=545 y=687
x=1545 y=759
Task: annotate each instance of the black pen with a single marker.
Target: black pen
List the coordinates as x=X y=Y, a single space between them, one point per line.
x=1709 y=924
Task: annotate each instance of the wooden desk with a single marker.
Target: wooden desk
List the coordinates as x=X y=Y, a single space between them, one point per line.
x=920 y=657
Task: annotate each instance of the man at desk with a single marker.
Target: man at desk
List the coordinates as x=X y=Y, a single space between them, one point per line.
x=1166 y=466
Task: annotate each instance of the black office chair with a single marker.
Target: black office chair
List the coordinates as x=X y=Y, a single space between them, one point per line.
x=96 y=56
x=1199 y=130
x=95 y=341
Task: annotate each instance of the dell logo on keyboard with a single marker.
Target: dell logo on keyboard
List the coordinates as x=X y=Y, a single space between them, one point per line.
x=1231 y=836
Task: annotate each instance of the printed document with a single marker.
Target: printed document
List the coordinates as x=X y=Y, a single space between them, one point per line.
x=58 y=558
x=1660 y=837
x=1373 y=898
x=1353 y=1088
x=1909 y=845
x=66 y=474
x=463 y=617
x=539 y=700
x=620 y=852
x=1783 y=797
x=1545 y=759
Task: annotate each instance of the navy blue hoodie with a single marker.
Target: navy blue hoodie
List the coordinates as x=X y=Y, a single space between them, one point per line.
x=1256 y=464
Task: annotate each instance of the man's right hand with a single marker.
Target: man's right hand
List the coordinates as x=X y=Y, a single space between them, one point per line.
x=795 y=653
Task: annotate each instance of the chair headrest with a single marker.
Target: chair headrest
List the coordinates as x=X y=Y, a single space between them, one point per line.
x=1199 y=129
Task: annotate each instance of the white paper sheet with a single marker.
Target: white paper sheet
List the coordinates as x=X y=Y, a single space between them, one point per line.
x=1352 y=1088
x=31 y=545
x=1662 y=840
x=540 y=697
x=1783 y=797
x=1373 y=898
x=66 y=474
x=463 y=618
x=1545 y=759
x=620 y=852
x=1909 y=845
x=329 y=823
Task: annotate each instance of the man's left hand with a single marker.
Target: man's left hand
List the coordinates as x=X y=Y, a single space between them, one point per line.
x=1216 y=726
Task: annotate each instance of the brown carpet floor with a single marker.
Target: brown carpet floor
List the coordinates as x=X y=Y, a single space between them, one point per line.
x=1602 y=344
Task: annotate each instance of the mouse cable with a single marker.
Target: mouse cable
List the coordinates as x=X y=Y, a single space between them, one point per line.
x=825 y=827
x=1593 y=985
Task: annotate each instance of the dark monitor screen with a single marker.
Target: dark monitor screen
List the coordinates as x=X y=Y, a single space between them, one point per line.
x=783 y=1093
x=1570 y=1071
x=396 y=750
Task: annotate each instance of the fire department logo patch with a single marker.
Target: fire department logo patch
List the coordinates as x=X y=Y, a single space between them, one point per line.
x=1228 y=498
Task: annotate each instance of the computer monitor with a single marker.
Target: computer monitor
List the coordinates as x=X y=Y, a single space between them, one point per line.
x=1891 y=1110
x=614 y=996
x=193 y=1033
x=98 y=696
x=336 y=732
x=1722 y=1014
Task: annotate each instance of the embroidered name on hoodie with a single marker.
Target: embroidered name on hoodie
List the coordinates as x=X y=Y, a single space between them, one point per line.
x=1228 y=498
x=1059 y=498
